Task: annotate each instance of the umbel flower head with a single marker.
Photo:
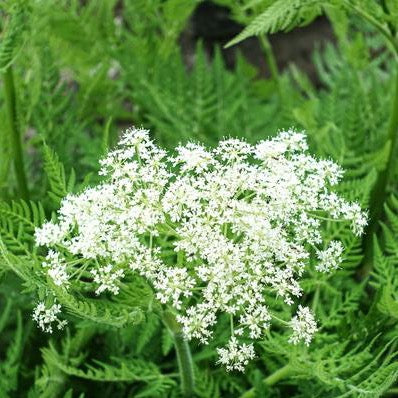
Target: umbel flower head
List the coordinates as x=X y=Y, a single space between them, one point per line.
x=216 y=232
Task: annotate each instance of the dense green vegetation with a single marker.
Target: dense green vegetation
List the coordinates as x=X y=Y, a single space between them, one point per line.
x=74 y=74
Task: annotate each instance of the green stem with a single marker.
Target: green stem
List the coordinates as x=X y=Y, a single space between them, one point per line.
x=382 y=29
x=272 y=379
x=315 y=299
x=184 y=358
x=270 y=58
x=15 y=136
x=379 y=193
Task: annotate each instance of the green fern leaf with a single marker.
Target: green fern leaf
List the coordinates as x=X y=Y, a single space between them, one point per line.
x=55 y=172
x=281 y=15
x=11 y=40
x=122 y=370
x=18 y=221
x=10 y=366
x=99 y=311
x=167 y=341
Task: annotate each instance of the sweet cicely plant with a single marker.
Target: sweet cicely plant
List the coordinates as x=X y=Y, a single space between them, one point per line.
x=225 y=232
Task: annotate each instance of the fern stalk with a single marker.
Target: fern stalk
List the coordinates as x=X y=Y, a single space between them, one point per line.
x=379 y=193
x=270 y=58
x=315 y=299
x=381 y=28
x=15 y=136
x=272 y=379
x=184 y=357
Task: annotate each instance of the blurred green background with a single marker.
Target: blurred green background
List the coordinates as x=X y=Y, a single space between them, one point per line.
x=84 y=70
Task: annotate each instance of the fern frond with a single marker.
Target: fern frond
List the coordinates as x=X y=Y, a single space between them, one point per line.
x=342 y=305
x=5 y=314
x=23 y=267
x=281 y=15
x=12 y=36
x=207 y=102
x=339 y=371
x=167 y=341
x=99 y=311
x=375 y=377
x=385 y=261
x=10 y=366
x=18 y=221
x=147 y=332
x=28 y=214
x=121 y=370
x=388 y=302
x=55 y=172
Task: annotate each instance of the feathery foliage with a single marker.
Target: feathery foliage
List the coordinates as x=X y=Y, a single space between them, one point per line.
x=82 y=72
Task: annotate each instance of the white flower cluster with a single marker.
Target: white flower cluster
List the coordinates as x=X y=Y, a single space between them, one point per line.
x=303 y=325
x=106 y=278
x=214 y=230
x=330 y=258
x=45 y=317
x=235 y=356
x=56 y=268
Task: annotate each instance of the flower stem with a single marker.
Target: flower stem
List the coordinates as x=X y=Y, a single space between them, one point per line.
x=184 y=358
x=15 y=136
x=272 y=379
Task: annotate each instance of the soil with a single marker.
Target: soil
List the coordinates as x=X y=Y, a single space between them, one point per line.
x=213 y=25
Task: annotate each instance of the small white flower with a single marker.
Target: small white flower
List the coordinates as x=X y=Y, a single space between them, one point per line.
x=198 y=321
x=171 y=284
x=358 y=218
x=45 y=317
x=303 y=325
x=50 y=233
x=56 y=268
x=269 y=149
x=107 y=279
x=193 y=157
x=235 y=356
x=256 y=319
x=331 y=257
x=114 y=70
x=232 y=149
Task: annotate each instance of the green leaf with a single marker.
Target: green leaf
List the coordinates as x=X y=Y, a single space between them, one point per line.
x=55 y=172
x=99 y=311
x=11 y=40
x=18 y=221
x=121 y=370
x=281 y=15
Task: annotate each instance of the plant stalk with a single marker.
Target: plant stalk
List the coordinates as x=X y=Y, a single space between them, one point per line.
x=379 y=193
x=184 y=357
x=270 y=57
x=315 y=299
x=383 y=30
x=15 y=135
x=272 y=379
